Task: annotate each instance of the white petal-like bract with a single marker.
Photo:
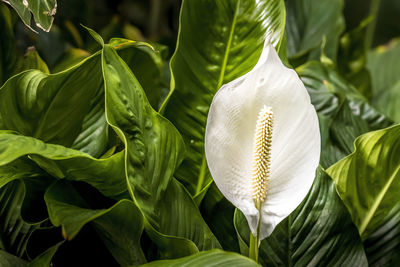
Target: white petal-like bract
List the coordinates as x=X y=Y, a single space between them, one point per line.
x=295 y=152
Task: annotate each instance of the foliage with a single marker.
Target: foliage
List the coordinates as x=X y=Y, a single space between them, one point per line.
x=102 y=131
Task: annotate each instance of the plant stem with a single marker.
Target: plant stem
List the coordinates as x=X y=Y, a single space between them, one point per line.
x=255 y=240
x=373 y=11
x=253 y=250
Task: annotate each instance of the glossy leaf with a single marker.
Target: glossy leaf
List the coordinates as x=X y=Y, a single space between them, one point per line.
x=344 y=111
x=374 y=162
x=209 y=55
x=65 y=108
x=42 y=11
x=186 y=220
x=153 y=150
x=107 y=175
x=345 y=127
x=207 y=258
x=147 y=66
x=308 y=22
x=144 y=132
x=383 y=246
x=120 y=226
x=318 y=232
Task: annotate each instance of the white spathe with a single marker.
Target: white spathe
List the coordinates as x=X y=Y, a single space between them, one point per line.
x=229 y=140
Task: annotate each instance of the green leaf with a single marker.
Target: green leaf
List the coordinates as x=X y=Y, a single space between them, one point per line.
x=384 y=65
x=65 y=108
x=17 y=169
x=32 y=60
x=170 y=247
x=119 y=230
x=318 y=233
x=42 y=11
x=147 y=66
x=344 y=113
x=212 y=258
x=95 y=35
x=218 y=41
x=44 y=259
x=7 y=259
x=153 y=146
x=186 y=221
x=383 y=246
x=120 y=226
x=368 y=182
x=308 y=21
x=345 y=128
x=14 y=232
x=107 y=175
x=153 y=150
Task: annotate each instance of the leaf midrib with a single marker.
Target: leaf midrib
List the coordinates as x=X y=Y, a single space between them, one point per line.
x=367 y=219
x=228 y=47
x=202 y=171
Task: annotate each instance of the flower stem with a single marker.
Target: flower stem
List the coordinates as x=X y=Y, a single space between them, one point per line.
x=255 y=240
x=253 y=250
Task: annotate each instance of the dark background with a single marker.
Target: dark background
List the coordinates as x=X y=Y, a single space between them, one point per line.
x=158 y=21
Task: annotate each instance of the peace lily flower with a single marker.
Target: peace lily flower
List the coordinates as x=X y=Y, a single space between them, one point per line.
x=262 y=143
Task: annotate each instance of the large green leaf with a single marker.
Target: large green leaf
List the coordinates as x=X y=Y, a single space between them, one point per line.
x=153 y=150
x=345 y=127
x=186 y=220
x=42 y=11
x=318 y=233
x=368 y=181
x=210 y=258
x=120 y=226
x=65 y=108
x=384 y=65
x=308 y=22
x=107 y=175
x=147 y=66
x=153 y=146
x=382 y=247
x=344 y=113
x=218 y=41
